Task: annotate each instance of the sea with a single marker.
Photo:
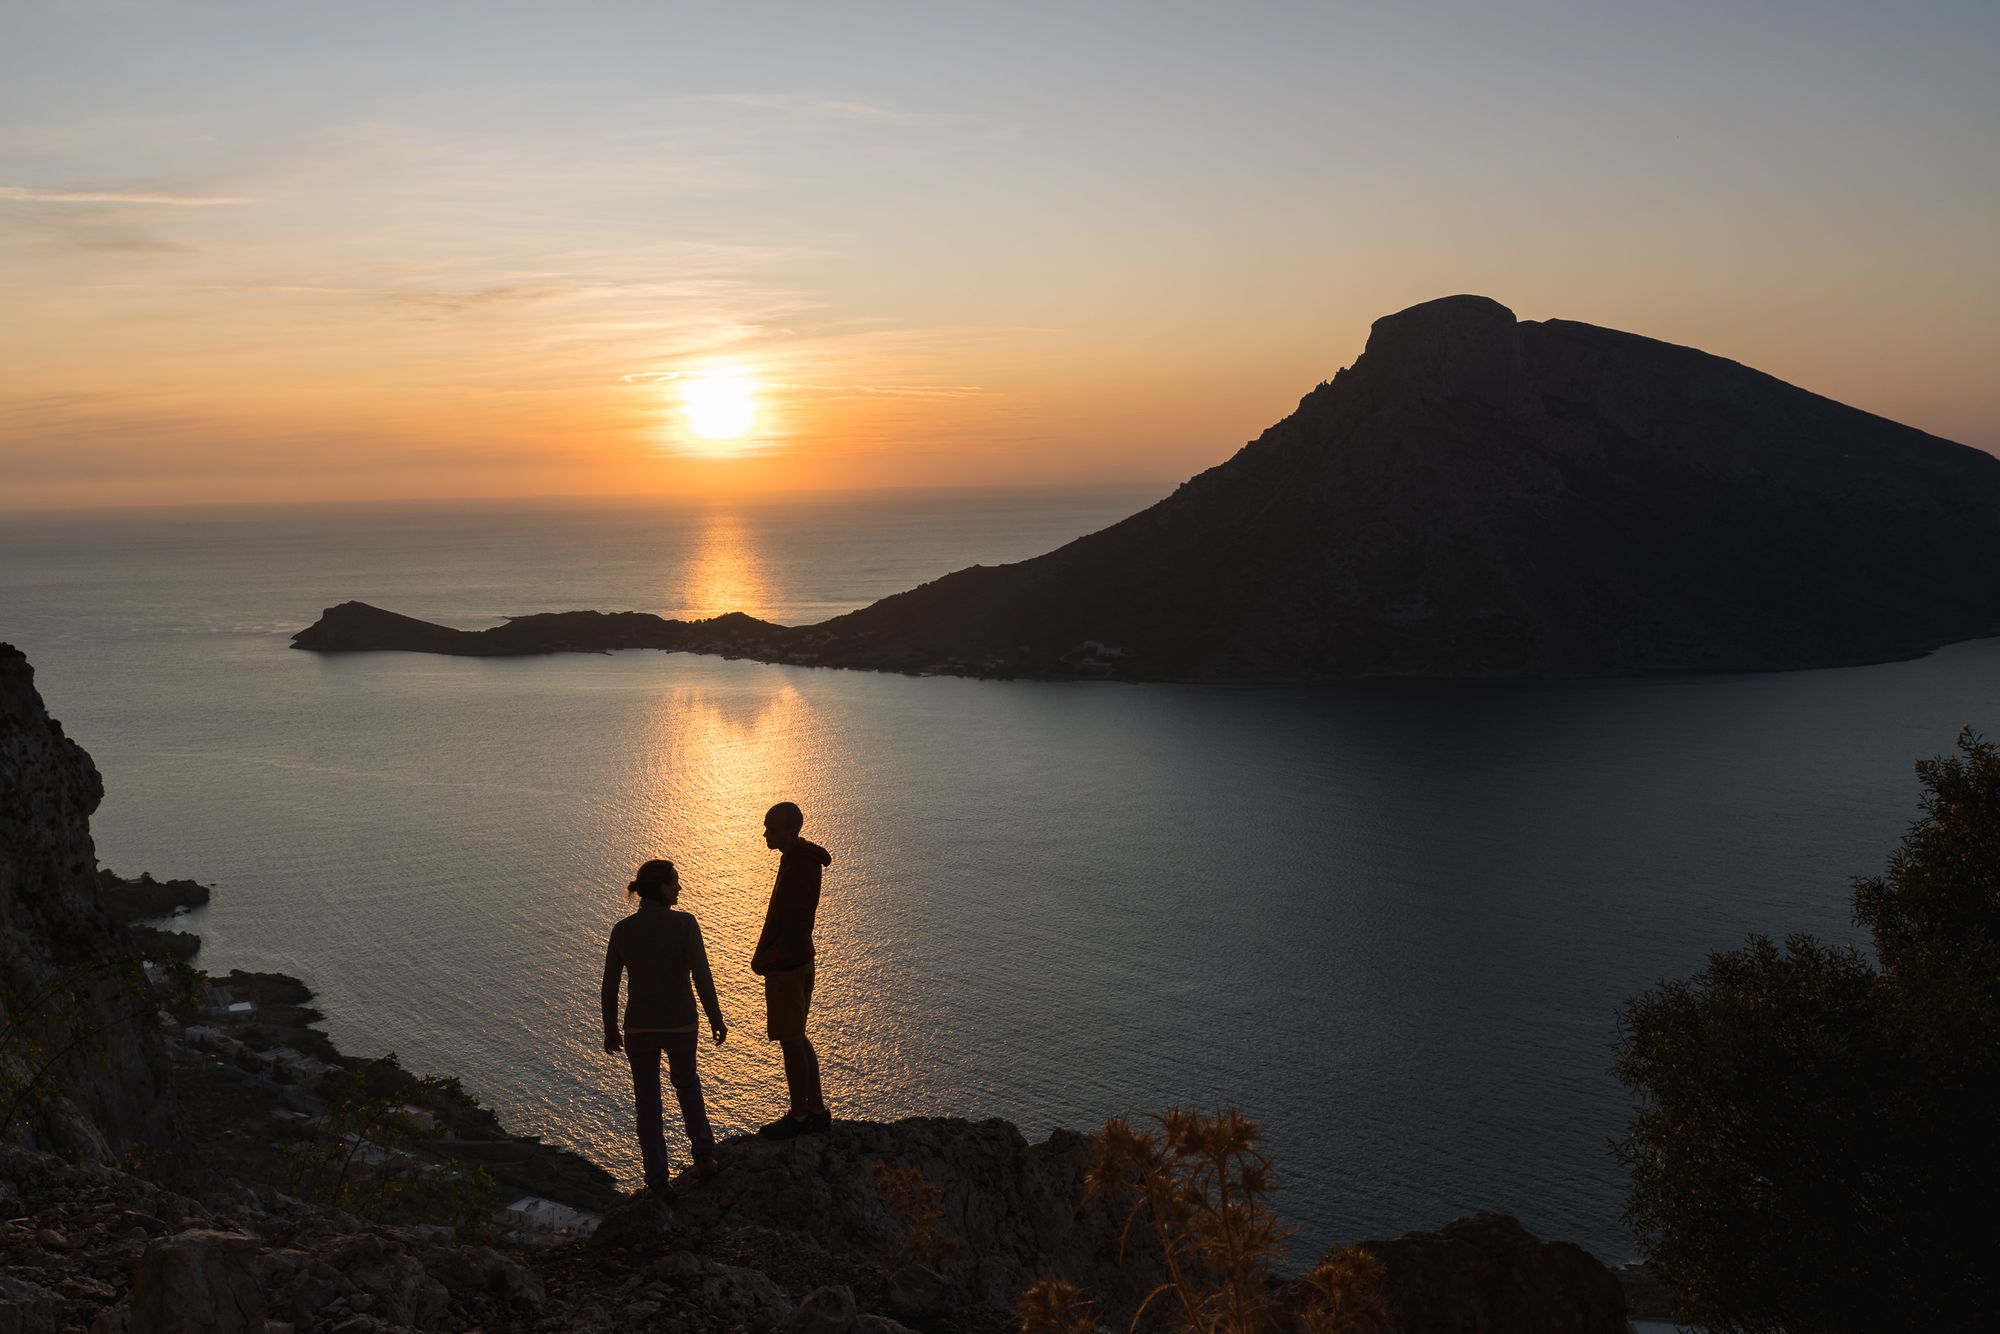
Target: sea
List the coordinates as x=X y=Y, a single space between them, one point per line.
x=1393 y=923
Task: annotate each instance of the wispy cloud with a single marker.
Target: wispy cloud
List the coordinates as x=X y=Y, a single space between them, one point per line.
x=804 y=105
x=472 y=300
x=29 y=194
x=133 y=244
x=924 y=392
x=71 y=437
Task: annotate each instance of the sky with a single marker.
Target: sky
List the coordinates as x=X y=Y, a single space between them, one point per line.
x=292 y=252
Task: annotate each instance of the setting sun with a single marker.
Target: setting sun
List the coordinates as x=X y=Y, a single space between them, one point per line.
x=720 y=405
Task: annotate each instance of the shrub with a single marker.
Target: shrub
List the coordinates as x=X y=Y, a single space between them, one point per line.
x=1815 y=1139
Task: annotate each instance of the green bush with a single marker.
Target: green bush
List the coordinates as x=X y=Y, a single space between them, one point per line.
x=1815 y=1144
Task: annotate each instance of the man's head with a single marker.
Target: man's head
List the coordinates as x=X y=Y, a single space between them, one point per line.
x=782 y=824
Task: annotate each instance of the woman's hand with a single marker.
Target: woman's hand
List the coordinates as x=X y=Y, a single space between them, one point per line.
x=613 y=1044
x=720 y=1030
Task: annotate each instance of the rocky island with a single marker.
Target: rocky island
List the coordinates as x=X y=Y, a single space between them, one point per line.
x=1475 y=496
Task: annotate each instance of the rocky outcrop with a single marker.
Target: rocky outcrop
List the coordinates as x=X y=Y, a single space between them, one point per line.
x=80 y=1067
x=973 y=1203
x=1475 y=496
x=145 y=899
x=198 y=1282
x=1488 y=1275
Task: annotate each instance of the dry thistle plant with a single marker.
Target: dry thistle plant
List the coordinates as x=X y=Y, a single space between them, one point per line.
x=914 y=1201
x=1345 y=1292
x=1056 y=1306
x=1202 y=1187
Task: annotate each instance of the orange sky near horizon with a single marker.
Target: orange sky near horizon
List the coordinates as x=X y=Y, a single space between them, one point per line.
x=319 y=259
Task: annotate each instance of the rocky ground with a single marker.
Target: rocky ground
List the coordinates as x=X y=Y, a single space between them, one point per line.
x=924 y=1226
x=97 y=1249
x=245 y=1076
x=797 y=1237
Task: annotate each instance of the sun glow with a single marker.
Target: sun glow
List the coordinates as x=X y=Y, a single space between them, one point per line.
x=719 y=405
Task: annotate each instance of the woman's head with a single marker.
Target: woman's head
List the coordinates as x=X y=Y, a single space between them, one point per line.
x=657 y=882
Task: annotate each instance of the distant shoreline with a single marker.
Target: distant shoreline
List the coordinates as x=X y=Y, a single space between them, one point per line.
x=358 y=627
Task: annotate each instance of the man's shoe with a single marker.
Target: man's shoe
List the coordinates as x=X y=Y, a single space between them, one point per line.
x=705 y=1170
x=785 y=1127
x=819 y=1122
x=662 y=1193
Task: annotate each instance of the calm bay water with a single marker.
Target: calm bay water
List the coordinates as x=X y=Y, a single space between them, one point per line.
x=1392 y=922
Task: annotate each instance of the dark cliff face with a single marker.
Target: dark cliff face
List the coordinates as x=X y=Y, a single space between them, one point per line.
x=1478 y=496
x=68 y=998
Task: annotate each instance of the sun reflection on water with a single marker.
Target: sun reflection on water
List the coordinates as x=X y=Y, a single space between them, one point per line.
x=725 y=574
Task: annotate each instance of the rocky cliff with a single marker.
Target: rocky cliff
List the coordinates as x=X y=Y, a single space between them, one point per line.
x=81 y=1068
x=1475 y=496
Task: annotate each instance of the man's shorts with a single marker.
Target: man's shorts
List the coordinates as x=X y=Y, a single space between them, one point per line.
x=788 y=999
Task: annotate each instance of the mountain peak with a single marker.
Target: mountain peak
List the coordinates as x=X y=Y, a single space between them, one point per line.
x=1453 y=345
x=1446 y=311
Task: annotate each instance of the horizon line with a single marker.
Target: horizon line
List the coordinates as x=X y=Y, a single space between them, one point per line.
x=583 y=499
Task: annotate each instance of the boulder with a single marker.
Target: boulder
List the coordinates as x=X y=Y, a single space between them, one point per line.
x=750 y=1294
x=198 y=1282
x=917 y=1292
x=747 y=1297
x=481 y=1271
x=1006 y=1211
x=304 y=1289
x=1487 y=1274
x=26 y=1308
x=640 y=1224
x=828 y=1310
x=397 y=1287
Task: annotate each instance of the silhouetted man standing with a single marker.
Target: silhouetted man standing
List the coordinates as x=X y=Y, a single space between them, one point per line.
x=784 y=959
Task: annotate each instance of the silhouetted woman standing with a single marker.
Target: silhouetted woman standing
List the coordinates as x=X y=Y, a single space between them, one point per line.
x=662 y=951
